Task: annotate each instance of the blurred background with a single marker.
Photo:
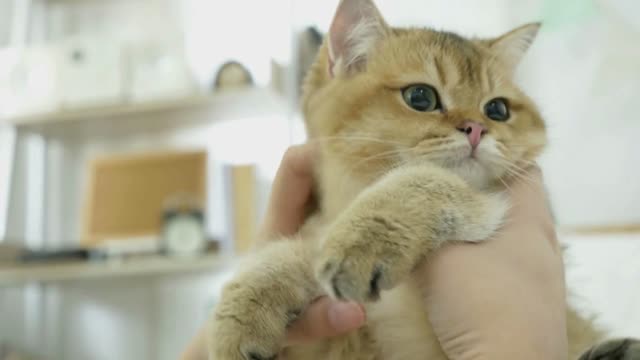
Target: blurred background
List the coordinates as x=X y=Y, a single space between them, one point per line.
x=139 y=138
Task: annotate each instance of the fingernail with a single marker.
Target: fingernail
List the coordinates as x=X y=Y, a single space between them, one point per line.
x=345 y=316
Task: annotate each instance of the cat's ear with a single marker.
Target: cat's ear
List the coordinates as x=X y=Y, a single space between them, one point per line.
x=356 y=27
x=511 y=47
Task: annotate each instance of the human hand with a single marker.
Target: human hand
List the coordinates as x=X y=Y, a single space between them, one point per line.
x=503 y=298
x=291 y=195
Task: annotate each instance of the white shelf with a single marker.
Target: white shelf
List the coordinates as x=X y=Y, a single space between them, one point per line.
x=87 y=270
x=113 y=110
x=129 y=109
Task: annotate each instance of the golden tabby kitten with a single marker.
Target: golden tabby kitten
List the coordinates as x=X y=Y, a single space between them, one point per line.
x=419 y=132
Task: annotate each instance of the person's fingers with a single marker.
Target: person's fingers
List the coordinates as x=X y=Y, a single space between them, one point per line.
x=290 y=192
x=197 y=349
x=326 y=318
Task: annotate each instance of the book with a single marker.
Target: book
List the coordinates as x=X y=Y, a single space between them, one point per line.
x=240 y=190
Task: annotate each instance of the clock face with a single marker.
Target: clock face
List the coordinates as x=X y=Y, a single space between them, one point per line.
x=184 y=235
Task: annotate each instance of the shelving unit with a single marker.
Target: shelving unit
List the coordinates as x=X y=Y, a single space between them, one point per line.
x=16 y=275
x=144 y=307
x=110 y=110
x=227 y=98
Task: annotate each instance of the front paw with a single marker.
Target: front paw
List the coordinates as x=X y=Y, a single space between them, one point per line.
x=361 y=257
x=256 y=308
x=245 y=326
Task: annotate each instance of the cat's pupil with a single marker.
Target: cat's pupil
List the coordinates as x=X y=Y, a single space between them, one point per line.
x=421 y=97
x=497 y=109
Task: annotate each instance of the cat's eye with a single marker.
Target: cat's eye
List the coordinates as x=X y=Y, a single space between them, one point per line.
x=421 y=98
x=497 y=109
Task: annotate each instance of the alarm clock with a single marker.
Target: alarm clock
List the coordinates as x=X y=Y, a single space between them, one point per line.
x=183 y=231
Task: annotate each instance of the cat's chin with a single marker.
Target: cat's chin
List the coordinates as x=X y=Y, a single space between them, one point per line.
x=472 y=170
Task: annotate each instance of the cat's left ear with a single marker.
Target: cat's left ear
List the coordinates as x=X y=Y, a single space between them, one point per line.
x=356 y=28
x=511 y=47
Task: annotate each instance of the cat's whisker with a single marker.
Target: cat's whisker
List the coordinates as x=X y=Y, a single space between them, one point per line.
x=512 y=170
x=505 y=184
x=356 y=131
x=528 y=162
x=443 y=148
x=520 y=174
x=433 y=141
x=514 y=164
x=391 y=154
x=356 y=138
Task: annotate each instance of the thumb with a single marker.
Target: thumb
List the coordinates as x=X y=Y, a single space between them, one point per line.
x=326 y=318
x=290 y=192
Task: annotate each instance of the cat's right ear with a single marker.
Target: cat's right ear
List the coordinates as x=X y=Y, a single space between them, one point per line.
x=356 y=27
x=511 y=47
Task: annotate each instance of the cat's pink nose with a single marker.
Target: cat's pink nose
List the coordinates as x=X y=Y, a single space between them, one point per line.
x=474 y=132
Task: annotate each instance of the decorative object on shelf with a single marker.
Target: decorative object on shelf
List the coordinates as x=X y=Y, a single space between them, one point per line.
x=309 y=43
x=133 y=247
x=240 y=187
x=14 y=255
x=91 y=71
x=127 y=193
x=279 y=77
x=232 y=75
x=158 y=71
x=59 y=255
x=183 y=226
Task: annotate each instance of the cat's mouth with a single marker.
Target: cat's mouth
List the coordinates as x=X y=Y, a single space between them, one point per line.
x=465 y=153
x=475 y=164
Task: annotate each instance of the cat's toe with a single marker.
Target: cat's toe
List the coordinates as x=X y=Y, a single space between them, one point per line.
x=257 y=356
x=351 y=278
x=617 y=349
x=250 y=323
x=233 y=340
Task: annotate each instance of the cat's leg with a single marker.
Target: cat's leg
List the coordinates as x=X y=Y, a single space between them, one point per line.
x=618 y=349
x=394 y=224
x=582 y=332
x=273 y=287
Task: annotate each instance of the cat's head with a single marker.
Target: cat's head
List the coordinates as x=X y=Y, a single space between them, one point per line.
x=378 y=97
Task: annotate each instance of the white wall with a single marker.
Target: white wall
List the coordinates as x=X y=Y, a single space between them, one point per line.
x=585 y=76
x=480 y=17
x=6 y=10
